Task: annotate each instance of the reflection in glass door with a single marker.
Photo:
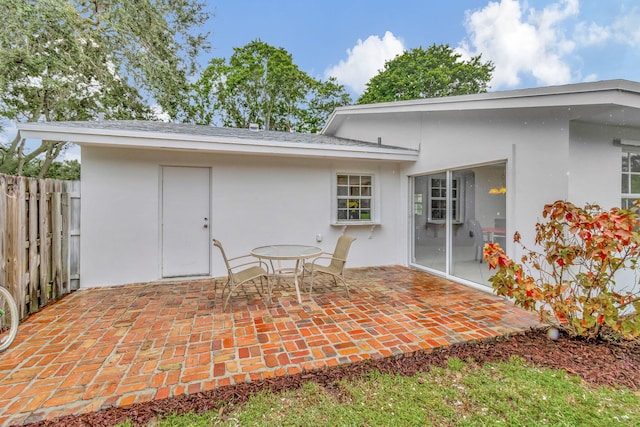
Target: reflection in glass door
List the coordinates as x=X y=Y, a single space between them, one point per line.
x=429 y=242
x=455 y=214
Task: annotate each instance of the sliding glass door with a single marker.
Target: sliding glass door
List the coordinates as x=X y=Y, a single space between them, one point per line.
x=454 y=214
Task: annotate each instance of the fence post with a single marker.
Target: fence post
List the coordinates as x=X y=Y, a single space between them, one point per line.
x=34 y=248
x=64 y=205
x=56 y=237
x=74 y=234
x=22 y=247
x=16 y=242
x=3 y=230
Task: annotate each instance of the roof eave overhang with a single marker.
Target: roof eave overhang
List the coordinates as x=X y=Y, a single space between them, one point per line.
x=86 y=137
x=606 y=95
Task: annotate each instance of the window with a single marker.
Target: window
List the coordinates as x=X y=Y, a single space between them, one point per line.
x=355 y=197
x=437 y=193
x=630 y=178
x=417 y=204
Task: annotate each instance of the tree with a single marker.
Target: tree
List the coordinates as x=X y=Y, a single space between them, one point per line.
x=315 y=110
x=261 y=84
x=66 y=170
x=78 y=59
x=434 y=72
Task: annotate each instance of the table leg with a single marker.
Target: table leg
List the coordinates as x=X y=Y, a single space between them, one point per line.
x=295 y=281
x=272 y=277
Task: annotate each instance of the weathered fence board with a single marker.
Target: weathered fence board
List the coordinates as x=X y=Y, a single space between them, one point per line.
x=3 y=229
x=45 y=244
x=73 y=189
x=56 y=247
x=34 y=254
x=39 y=240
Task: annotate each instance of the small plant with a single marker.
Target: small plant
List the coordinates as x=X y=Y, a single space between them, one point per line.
x=571 y=282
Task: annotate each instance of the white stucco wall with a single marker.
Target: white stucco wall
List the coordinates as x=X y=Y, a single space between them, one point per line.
x=549 y=157
x=119 y=218
x=398 y=129
x=534 y=145
x=595 y=175
x=595 y=163
x=258 y=200
x=255 y=201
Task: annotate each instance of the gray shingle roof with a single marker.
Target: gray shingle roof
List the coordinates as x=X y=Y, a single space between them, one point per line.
x=212 y=131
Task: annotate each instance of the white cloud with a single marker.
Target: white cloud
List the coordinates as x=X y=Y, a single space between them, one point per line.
x=590 y=78
x=159 y=113
x=365 y=60
x=521 y=42
x=626 y=29
x=591 y=34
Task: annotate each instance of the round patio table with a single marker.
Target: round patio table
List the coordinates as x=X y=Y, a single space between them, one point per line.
x=297 y=253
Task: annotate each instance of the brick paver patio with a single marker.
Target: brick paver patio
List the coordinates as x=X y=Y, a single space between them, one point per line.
x=117 y=346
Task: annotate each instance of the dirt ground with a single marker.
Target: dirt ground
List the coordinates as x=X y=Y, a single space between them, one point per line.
x=599 y=363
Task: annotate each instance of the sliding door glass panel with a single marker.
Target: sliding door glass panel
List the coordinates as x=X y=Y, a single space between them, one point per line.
x=478 y=218
x=429 y=220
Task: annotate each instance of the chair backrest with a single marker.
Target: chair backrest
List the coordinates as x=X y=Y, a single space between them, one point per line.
x=476 y=230
x=218 y=245
x=341 y=252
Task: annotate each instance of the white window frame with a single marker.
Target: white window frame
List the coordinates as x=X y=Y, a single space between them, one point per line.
x=627 y=197
x=456 y=216
x=341 y=200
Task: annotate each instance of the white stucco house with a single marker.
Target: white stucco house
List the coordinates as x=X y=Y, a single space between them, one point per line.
x=411 y=180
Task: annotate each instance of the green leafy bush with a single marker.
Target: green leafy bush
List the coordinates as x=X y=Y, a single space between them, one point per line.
x=570 y=282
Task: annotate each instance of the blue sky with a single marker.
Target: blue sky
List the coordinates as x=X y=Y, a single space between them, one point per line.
x=532 y=43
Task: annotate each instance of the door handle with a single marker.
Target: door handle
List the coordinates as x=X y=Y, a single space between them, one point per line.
x=206 y=226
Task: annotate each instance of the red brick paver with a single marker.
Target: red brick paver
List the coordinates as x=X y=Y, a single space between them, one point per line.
x=118 y=346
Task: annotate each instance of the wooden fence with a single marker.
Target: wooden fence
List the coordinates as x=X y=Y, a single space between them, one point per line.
x=39 y=240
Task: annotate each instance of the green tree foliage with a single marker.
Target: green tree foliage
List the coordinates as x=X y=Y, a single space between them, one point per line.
x=77 y=59
x=261 y=84
x=434 y=72
x=68 y=170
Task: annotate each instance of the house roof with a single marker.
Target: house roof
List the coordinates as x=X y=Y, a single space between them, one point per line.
x=188 y=137
x=598 y=102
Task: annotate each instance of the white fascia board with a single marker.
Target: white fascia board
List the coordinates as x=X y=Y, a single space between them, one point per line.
x=203 y=143
x=563 y=100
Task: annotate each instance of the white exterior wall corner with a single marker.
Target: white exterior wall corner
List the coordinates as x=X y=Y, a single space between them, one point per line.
x=596 y=162
x=254 y=201
x=536 y=152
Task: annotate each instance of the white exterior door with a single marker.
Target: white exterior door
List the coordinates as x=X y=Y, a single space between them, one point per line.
x=185 y=221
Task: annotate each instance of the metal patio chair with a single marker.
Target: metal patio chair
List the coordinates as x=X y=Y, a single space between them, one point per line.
x=243 y=273
x=338 y=259
x=479 y=239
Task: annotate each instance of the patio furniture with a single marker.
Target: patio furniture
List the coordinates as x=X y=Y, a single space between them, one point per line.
x=281 y=253
x=338 y=259
x=479 y=239
x=243 y=273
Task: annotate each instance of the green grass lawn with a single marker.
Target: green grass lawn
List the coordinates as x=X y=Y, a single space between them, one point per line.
x=464 y=394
